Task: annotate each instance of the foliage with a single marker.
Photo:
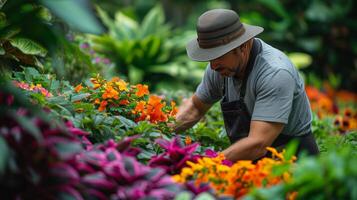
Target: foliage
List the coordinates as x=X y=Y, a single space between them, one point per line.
x=175 y=156
x=146 y=51
x=330 y=176
x=28 y=30
x=50 y=161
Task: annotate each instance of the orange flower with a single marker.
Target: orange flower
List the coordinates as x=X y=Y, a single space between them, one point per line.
x=312 y=92
x=110 y=92
x=78 y=88
x=154 y=100
x=124 y=102
x=141 y=90
x=346 y=96
x=140 y=107
x=97 y=101
x=236 y=180
x=188 y=140
x=102 y=106
x=174 y=109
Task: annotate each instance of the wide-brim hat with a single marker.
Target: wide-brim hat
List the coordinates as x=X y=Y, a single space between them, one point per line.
x=218 y=32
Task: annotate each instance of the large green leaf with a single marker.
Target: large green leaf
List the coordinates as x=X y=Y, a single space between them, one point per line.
x=152 y=22
x=126 y=27
x=27 y=46
x=77 y=13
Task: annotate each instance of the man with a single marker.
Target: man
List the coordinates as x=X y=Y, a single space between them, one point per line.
x=263 y=100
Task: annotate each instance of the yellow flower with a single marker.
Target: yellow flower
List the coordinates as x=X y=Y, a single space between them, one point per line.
x=122 y=85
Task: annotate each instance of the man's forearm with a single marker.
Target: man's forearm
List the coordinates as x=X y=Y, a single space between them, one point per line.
x=245 y=149
x=188 y=116
x=190 y=112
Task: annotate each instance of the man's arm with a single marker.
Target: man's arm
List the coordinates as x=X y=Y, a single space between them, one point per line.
x=261 y=135
x=190 y=112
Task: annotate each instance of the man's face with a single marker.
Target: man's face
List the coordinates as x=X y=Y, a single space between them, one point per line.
x=227 y=65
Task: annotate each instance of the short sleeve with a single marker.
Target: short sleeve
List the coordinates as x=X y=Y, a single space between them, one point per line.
x=274 y=97
x=209 y=90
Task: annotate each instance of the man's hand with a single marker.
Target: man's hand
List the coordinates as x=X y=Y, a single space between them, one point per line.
x=190 y=112
x=262 y=134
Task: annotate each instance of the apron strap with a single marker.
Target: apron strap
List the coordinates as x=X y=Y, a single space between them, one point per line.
x=256 y=49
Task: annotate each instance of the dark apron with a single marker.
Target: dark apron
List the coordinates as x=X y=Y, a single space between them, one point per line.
x=237 y=118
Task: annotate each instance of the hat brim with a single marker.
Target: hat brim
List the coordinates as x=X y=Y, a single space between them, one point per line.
x=196 y=53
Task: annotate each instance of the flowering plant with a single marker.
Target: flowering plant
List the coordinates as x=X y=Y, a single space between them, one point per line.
x=42 y=160
x=134 y=102
x=235 y=180
x=33 y=88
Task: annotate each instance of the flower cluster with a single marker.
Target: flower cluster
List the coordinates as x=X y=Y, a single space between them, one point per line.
x=134 y=102
x=235 y=180
x=327 y=104
x=33 y=88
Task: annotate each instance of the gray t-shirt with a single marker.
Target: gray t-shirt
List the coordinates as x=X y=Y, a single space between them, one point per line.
x=275 y=91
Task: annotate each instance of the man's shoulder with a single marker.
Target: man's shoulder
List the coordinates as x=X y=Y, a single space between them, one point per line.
x=272 y=60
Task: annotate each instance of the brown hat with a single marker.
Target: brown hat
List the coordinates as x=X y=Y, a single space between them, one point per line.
x=218 y=32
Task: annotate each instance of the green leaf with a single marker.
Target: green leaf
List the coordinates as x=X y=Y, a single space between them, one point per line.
x=300 y=60
x=204 y=196
x=66 y=149
x=2 y=51
x=127 y=122
x=79 y=97
x=152 y=22
x=126 y=28
x=2 y=2
x=4 y=155
x=135 y=75
x=183 y=196
x=276 y=6
x=76 y=13
x=27 y=46
x=291 y=149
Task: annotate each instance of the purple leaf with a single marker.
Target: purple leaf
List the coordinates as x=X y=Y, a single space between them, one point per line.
x=98 y=180
x=71 y=192
x=66 y=171
x=210 y=153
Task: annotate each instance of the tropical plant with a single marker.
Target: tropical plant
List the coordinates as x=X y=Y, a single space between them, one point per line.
x=146 y=51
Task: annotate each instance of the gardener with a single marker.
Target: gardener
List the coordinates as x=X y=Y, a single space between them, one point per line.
x=262 y=96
